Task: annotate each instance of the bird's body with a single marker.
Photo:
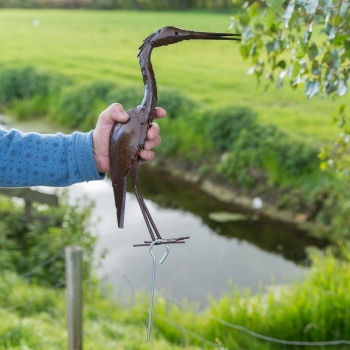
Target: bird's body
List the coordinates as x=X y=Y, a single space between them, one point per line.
x=127 y=139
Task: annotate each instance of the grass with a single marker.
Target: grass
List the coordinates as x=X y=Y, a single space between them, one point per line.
x=316 y=309
x=95 y=45
x=33 y=317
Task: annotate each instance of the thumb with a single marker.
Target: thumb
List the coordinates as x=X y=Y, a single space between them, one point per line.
x=114 y=113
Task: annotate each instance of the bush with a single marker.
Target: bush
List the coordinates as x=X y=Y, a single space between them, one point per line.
x=25 y=243
x=268 y=149
x=225 y=125
x=22 y=83
x=35 y=106
x=80 y=105
x=129 y=96
x=175 y=103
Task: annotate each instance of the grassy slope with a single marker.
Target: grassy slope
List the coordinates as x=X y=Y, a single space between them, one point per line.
x=93 y=45
x=34 y=318
x=316 y=309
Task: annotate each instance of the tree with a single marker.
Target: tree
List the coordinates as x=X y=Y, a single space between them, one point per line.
x=272 y=29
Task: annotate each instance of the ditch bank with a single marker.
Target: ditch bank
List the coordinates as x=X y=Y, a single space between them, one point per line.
x=256 y=205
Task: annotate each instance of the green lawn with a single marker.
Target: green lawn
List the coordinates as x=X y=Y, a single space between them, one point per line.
x=95 y=45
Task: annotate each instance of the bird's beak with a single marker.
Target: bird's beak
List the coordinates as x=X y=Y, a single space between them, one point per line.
x=214 y=36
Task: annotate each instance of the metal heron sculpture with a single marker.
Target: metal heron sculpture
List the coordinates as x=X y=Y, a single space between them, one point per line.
x=127 y=139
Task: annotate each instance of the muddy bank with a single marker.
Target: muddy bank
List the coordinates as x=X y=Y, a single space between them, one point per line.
x=222 y=191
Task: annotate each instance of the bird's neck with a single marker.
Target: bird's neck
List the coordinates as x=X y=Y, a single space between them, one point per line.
x=150 y=87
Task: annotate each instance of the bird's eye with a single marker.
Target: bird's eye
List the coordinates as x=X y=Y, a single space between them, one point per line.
x=176 y=33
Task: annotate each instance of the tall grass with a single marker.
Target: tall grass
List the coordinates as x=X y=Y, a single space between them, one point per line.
x=315 y=309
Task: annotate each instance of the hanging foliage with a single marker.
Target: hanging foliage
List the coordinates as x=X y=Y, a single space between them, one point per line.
x=305 y=43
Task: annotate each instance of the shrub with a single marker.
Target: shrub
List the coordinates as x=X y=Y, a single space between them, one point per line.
x=25 y=243
x=37 y=105
x=80 y=105
x=171 y=100
x=129 y=96
x=23 y=83
x=266 y=148
x=175 y=103
x=225 y=125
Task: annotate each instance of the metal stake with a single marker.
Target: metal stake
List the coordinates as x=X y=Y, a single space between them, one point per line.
x=158 y=241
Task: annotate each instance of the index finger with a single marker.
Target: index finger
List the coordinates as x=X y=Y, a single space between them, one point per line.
x=159 y=113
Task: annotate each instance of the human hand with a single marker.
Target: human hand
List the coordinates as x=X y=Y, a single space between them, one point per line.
x=116 y=113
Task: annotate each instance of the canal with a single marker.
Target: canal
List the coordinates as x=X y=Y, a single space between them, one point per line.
x=247 y=252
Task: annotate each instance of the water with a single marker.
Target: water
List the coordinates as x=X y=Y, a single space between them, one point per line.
x=247 y=253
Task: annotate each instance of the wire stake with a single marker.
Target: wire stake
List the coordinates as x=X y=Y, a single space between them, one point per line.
x=157 y=241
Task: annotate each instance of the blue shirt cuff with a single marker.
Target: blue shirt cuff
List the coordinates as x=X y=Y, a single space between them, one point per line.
x=85 y=157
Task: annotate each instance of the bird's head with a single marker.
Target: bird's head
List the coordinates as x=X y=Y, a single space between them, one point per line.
x=172 y=35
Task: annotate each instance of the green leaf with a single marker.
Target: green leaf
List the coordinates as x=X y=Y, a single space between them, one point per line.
x=293 y=18
x=302 y=50
x=244 y=19
x=341 y=108
x=327 y=58
x=296 y=69
x=347 y=49
x=253 y=9
x=281 y=64
x=315 y=68
x=312 y=88
x=307 y=36
x=288 y=12
x=272 y=46
x=324 y=165
x=244 y=51
x=253 y=50
x=340 y=39
x=270 y=17
x=313 y=51
x=277 y=4
x=346 y=73
x=337 y=20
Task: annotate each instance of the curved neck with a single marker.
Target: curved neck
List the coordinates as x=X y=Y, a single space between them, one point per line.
x=150 y=98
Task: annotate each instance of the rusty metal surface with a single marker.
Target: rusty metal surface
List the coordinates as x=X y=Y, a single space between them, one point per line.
x=127 y=139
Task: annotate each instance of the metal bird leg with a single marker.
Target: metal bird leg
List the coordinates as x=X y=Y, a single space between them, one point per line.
x=127 y=139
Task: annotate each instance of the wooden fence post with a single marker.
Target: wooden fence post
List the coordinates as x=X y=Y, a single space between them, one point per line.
x=74 y=256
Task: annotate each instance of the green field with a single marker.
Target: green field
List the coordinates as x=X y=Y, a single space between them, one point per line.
x=95 y=45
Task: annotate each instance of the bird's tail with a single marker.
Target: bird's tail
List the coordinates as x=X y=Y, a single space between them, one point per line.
x=119 y=189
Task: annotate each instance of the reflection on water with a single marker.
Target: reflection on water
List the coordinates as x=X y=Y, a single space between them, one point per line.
x=247 y=253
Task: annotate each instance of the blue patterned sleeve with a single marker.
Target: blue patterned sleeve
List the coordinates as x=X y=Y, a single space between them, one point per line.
x=34 y=159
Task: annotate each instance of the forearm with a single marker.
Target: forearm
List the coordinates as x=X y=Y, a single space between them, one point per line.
x=51 y=160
